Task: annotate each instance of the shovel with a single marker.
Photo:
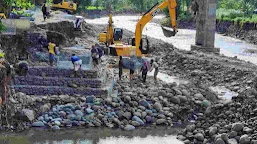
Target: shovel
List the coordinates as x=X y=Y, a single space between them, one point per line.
x=168 y=32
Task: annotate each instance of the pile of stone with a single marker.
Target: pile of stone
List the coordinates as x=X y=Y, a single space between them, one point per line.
x=230 y=123
x=136 y=105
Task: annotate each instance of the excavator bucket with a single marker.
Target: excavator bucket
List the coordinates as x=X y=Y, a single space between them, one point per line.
x=168 y=32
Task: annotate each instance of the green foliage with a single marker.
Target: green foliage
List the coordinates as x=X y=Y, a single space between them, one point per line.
x=229 y=13
x=94 y=8
x=2 y=27
x=23 y=4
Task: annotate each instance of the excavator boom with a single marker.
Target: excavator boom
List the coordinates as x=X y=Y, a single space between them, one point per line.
x=148 y=16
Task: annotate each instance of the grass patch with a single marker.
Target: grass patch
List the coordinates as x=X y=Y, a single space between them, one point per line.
x=94 y=8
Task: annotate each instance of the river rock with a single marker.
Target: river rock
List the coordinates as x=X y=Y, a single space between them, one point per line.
x=149 y=119
x=219 y=141
x=175 y=100
x=97 y=122
x=56 y=127
x=64 y=97
x=247 y=130
x=181 y=137
x=199 y=136
x=232 y=141
x=38 y=124
x=29 y=114
x=136 y=118
x=127 y=99
x=208 y=110
x=144 y=103
x=127 y=115
x=90 y=99
x=160 y=121
x=224 y=137
x=62 y=114
x=116 y=121
x=185 y=92
x=182 y=99
x=44 y=108
x=144 y=114
x=206 y=103
x=135 y=123
x=89 y=111
x=190 y=128
x=232 y=134
x=137 y=114
x=142 y=108
x=157 y=106
x=199 y=96
x=162 y=93
x=213 y=131
x=57 y=123
x=237 y=127
x=244 y=139
x=129 y=127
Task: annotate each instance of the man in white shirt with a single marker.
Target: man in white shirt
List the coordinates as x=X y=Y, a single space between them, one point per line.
x=154 y=66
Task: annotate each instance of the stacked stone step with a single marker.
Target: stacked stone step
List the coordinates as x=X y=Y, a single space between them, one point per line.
x=54 y=81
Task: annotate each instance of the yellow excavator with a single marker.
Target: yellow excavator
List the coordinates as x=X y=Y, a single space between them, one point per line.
x=2 y=16
x=65 y=5
x=112 y=37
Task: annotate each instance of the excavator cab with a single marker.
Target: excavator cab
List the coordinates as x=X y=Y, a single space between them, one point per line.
x=118 y=32
x=144 y=44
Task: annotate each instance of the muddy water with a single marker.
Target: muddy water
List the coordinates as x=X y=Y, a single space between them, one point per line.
x=149 y=135
x=168 y=79
x=185 y=38
x=224 y=94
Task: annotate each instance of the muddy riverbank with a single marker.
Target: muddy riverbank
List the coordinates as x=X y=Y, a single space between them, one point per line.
x=92 y=135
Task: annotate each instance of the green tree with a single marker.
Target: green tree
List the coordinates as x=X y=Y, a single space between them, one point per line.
x=97 y=3
x=82 y=4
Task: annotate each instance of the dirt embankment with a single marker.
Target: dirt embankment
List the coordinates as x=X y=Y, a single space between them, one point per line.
x=247 y=31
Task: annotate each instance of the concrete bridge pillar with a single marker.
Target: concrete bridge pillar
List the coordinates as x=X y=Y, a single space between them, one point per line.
x=205 y=26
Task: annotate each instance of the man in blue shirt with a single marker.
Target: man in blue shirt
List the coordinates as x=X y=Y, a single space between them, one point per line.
x=77 y=62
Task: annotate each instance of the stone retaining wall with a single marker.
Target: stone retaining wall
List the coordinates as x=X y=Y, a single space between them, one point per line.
x=55 y=81
x=55 y=90
x=55 y=72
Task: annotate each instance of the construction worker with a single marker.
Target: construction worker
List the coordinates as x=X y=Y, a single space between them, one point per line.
x=44 y=11
x=94 y=55
x=120 y=67
x=77 y=62
x=100 y=51
x=131 y=69
x=154 y=66
x=144 y=70
x=52 y=50
x=22 y=67
x=78 y=22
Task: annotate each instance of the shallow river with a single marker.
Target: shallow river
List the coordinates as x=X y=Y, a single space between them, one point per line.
x=162 y=135
x=184 y=38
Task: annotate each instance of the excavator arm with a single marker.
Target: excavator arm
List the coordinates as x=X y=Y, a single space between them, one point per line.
x=148 y=16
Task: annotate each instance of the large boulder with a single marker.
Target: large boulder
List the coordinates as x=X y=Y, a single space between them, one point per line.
x=129 y=127
x=244 y=139
x=175 y=100
x=237 y=127
x=199 y=136
x=29 y=114
x=44 y=108
x=157 y=106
